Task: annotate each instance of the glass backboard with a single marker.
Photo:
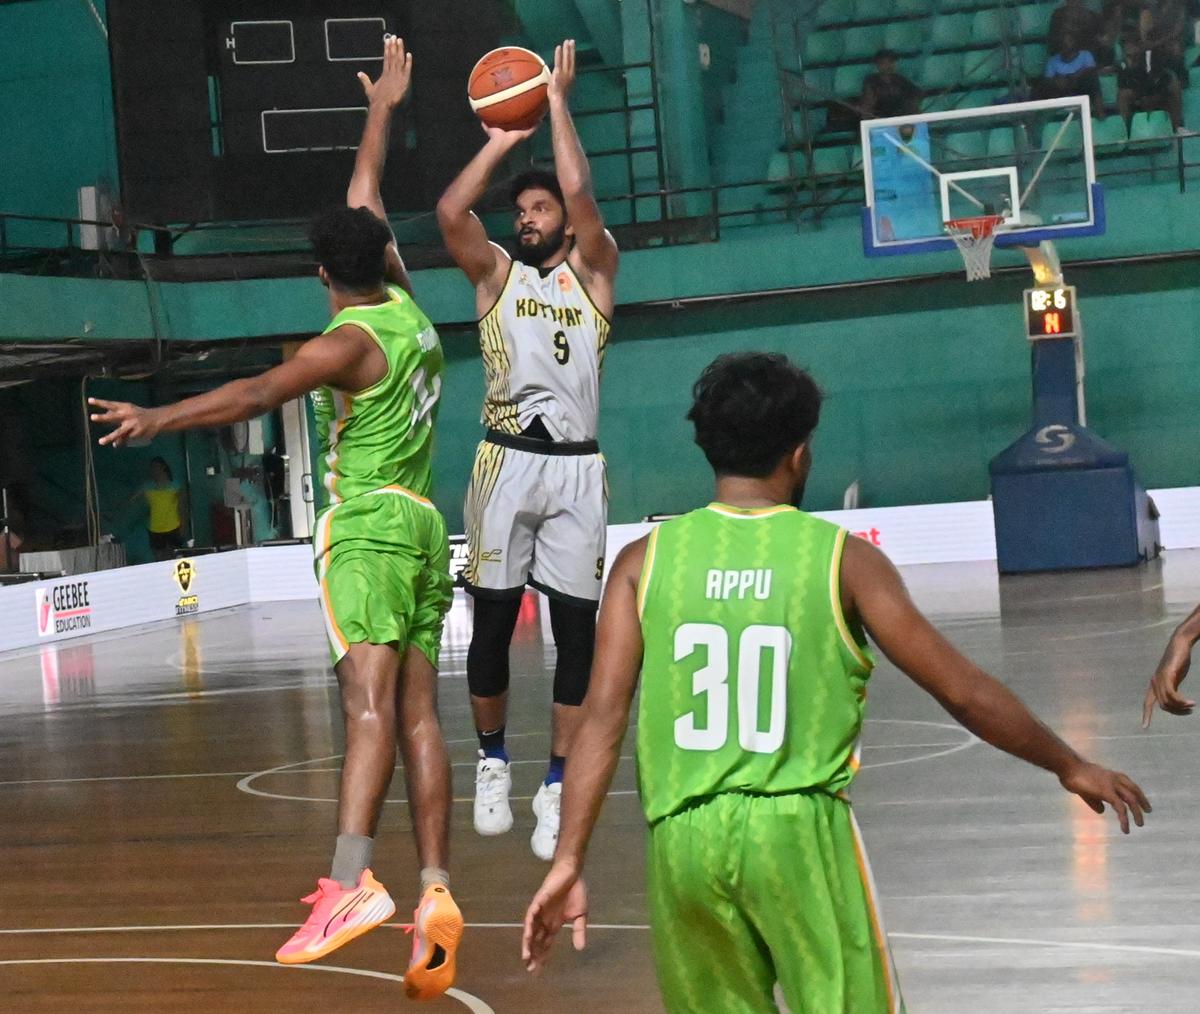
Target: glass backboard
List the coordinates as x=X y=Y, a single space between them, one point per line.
x=1029 y=162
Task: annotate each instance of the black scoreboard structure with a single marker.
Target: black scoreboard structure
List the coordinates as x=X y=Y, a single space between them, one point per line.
x=235 y=110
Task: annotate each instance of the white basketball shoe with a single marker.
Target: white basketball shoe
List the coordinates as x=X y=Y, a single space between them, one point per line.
x=493 y=783
x=547 y=805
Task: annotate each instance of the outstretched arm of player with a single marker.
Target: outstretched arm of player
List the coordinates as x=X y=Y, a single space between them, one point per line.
x=462 y=231
x=594 y=242
x=383 y=98
x=1172 y=671
x=326 y=359
x=873 y=588
x=595 y=750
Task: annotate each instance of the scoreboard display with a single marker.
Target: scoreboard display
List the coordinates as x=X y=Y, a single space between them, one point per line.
x=1050 y=312
x=251 y=109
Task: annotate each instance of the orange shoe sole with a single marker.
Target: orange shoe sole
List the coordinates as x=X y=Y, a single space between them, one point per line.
x=443 y=929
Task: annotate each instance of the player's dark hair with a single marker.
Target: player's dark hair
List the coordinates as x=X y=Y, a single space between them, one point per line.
x=162 y=463
x=751 y=409
x=535 y=178
x=349 y=243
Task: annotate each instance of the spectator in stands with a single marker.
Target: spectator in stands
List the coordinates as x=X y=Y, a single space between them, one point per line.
x=1091 y=31
x=1152 y=73
x=168 y=511
x=887 y=92
x=1071 y=71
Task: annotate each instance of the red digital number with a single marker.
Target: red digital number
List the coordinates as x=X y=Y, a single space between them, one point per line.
x=1052 y=323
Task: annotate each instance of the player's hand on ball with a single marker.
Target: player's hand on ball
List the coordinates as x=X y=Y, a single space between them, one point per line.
x=1164 y=686
x=395 y=78
x=562 y=78
x=562 y=899
x=511 y=138
x=1096 y=786
x=132 y=422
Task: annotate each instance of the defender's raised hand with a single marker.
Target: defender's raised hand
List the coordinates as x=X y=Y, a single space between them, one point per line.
x=562 y=78
x=132 y=422
x=395 y=78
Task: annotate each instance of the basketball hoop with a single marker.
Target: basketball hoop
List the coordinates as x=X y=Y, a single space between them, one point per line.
x=975 y=238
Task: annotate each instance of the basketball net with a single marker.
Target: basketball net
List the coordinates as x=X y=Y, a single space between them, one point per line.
x=975 y=238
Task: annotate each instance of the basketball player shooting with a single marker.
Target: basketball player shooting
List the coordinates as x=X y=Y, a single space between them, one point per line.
x=381 y=550
x=536 y=507
x=754 y=666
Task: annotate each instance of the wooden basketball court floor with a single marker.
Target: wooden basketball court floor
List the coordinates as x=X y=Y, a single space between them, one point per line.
x=167 y=795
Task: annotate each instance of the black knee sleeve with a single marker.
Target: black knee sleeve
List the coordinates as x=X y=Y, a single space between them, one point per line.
x=491 y=635
x=574 y=629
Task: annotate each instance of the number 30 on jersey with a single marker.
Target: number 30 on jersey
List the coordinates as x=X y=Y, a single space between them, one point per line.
x=712 y=681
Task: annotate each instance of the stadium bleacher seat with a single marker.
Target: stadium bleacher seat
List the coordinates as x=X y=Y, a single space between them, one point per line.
x=951 y=31
x=863 y=42
x=824 y=47
x=905 y=37
x=943 y=70
x=1150 y=130
x=1109 y=135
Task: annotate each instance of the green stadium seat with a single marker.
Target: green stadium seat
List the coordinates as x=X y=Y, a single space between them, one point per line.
x=982 y=65
x=815 y=121
x=1108 y=90
x=863 y=42
x=964 y=146
x=1069 y=144
x=978 y=99
x=778 y=168
x=1109 y=135
x=835 y=12
x=951 y=31
x=953 y=6
x=1034 y=20
x=831 y=161
x=987 y=27
x=1001 y=141
x=912 y=8
x=941 y=71
x=872 y=10
x=848 y=80
x=905 y=37
x=1150 y=129
x=1034 y=58
x=824 y=47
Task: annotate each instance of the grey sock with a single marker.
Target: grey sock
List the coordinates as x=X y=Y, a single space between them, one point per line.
x=431 y=875
x=351 y=856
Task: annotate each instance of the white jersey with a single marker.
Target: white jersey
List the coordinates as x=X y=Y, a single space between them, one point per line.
x=543 y=347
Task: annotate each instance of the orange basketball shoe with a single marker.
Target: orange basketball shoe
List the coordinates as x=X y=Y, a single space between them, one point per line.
x=338 y=916
x=437 y=930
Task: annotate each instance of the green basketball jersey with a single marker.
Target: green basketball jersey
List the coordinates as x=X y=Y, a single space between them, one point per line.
x=383 y=436
x=752 y=679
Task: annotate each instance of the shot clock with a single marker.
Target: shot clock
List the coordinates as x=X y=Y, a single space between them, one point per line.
x=1050 y=312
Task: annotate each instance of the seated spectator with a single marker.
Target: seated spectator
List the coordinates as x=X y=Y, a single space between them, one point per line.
x=887 y=92
x=1071 y=71
x=1152 y=73
x=1088 y=27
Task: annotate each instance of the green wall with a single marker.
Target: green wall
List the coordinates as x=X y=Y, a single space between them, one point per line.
x=57 y=106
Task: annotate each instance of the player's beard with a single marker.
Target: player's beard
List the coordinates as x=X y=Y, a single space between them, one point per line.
x=534 y=254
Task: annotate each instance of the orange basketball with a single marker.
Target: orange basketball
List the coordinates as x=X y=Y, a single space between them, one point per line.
x=507 y=88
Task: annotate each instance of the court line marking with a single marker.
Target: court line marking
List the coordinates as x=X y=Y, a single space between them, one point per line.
x=471 y=1002
x=294 y=768
x=1179 y=952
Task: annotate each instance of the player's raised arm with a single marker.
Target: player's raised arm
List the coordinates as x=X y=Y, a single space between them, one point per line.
x=332 y=358
x=873 y=589
x=1172 y=671
x=383 y=98
x=595 y=751
x=595 y=244
x=480 y=260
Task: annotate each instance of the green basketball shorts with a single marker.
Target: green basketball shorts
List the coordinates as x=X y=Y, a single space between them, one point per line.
x=749 y=891
x=383 y=566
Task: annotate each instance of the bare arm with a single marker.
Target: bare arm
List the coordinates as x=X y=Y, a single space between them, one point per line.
x=596 y=246
x=595 y=750
x=1172 y=671
x=872 y=588
x=383 y=98
x=462 y=231
x=328 y=359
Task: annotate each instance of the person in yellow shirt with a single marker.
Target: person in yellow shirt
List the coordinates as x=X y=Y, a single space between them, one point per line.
x=168 y=512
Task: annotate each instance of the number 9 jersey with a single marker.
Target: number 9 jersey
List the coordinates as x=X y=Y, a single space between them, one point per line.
x=752 y=680
x=543 y=345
